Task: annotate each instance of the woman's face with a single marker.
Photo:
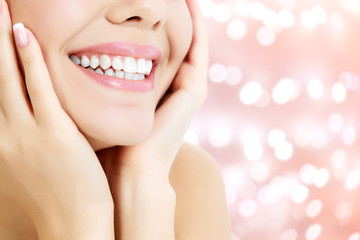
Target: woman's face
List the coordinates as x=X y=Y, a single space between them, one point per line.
x=107 y=116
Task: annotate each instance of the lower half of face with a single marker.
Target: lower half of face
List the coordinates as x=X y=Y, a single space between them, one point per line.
x=105 y=116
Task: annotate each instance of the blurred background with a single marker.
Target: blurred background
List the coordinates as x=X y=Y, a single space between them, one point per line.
x=282 y=116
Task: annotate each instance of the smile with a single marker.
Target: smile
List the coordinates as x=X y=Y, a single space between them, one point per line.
x=125 y=66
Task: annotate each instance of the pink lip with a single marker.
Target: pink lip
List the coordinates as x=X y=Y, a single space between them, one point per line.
x=125 y=49
x=122 y=84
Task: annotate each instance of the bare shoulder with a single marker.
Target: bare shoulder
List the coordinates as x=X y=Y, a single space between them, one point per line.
x=201 y=208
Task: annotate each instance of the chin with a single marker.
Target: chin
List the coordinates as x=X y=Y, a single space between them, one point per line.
x=106 y=136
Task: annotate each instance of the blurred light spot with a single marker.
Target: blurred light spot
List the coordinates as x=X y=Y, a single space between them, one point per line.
x=299 y=194
x=337 y=21
x=236 y=30
x=355 y=236
x=308 y=20
x=321 y=177
x=220 y=136
x=319 y=14
x=270 y=18
x=284 y=91
x=315 y=88
x=276 y=137
x=257 y=10
x=338 y=92
x=284 y=151
x=352 y=180
x=248 y=208
x=349 y=135
x=270 y=194
x=336 y=122
x=338 y=158
x=191 y=137
x=241 y=8
x=343 y=212
x=217 y=73
x=302 y=137
x=260 y=172
x=230 y=195
x=233 y=177
x=253 y=151
x=313 y=232
x=307 y=173
x=290 y=234
x=250 y=93
x=350 y=80
x=265 y=36
x=234 y=75
x=314 y=208
x=207 y=8
x=286 y=18
x=222 y=13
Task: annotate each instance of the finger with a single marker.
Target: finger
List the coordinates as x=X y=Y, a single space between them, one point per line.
x=172 y=120
x=13 y=97
x=199 y=50
x=44 y=101
x=192 y=74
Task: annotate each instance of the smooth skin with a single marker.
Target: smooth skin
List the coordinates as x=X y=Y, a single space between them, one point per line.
x=58 y=181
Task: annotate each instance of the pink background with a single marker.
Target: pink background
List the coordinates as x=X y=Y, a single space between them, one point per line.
x=281 y=118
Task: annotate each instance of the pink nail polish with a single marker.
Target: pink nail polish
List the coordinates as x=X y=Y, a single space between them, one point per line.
x=20 y=34
x=1 y=6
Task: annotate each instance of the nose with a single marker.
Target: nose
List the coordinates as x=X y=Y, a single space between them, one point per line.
x=145 y=14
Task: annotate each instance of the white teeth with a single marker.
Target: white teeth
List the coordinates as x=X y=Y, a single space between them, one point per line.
x=141 y=65
x=105 y=62
x=94 y=63
x=130 y=65
x=75 y=59
x=149 y=66
x=89 y=68
x=98 y=70
x=136 y=76
x=120 y=74
x=129 y=76
x=117 y=64
x=85 y=62
x=110 y=72
x=141 y=76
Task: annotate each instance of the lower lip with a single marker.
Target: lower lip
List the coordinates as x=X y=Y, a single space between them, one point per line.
x=145 y=85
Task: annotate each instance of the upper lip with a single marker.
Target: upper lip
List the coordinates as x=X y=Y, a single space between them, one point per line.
x=124 y=49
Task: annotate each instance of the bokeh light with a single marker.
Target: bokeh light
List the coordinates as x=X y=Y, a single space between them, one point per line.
x=281 y=117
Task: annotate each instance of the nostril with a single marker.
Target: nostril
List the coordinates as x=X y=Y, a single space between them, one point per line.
x=136 y=18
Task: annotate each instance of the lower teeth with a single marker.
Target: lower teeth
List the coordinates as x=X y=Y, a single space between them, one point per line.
x=119 y=74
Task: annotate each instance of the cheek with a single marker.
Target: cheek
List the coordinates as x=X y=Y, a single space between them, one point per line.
x=52 y=21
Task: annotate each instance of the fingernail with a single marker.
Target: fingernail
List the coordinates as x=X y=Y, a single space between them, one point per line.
x=1 y=6
x=20 y=34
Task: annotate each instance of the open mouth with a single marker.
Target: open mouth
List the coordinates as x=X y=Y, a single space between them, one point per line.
x=128 y=68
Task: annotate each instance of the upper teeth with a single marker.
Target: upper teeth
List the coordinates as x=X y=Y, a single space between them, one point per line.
x=127 y=64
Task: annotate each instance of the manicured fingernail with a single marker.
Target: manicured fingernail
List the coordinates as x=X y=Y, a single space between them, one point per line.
x=1 y=6
x=20 y=34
